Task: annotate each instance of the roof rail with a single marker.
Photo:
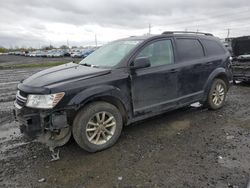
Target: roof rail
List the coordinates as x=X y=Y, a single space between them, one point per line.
x=186 y=32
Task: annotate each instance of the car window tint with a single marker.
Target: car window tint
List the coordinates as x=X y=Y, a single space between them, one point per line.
x=189 y=49
x=212 y=47
x=159 y=53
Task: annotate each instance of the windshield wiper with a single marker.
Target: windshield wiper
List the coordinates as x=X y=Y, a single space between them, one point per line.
x=85 y=64
x=88 y=65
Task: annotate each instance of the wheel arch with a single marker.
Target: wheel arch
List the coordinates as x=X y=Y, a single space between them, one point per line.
x=109 y=94
x=217 y=73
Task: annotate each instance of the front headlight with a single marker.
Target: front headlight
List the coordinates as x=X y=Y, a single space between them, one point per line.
x=44 y=101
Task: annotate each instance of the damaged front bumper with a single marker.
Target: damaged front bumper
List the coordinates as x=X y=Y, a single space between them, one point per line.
x=35 y=122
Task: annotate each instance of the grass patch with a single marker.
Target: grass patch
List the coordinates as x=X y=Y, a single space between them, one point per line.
x=32 y=65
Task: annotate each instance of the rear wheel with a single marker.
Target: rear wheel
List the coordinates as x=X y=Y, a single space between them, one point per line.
x=217 y=94
x=97 y=126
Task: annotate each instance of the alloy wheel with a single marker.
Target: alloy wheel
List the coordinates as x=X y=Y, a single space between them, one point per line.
x=100 y=128
x=218 y=94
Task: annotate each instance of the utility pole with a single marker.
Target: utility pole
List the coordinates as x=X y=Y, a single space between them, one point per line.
x=149 y=29
x=228 y=32
x=68 y=43
x=95 y=41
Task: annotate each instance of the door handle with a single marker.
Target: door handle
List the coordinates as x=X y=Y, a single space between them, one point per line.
x=173 y=71
x=209 y=63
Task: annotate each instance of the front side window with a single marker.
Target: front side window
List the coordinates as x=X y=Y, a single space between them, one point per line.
x=159 y=53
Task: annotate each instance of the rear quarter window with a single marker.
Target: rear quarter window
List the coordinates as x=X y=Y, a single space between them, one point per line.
x=189 y=49
x=213 y=47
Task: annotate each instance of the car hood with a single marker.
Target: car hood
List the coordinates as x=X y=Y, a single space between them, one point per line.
x=59 y=74
x=241 y=46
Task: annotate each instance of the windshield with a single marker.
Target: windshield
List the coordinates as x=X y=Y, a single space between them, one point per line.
x=110 y=54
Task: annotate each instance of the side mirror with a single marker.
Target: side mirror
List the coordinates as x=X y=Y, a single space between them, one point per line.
x=140 y=62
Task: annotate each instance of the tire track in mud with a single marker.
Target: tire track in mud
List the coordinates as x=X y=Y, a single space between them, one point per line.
x=9 y=78
x=9 y=131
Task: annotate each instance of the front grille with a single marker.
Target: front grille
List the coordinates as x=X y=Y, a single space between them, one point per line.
x=21 y=99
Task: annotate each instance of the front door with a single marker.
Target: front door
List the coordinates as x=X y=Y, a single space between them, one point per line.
x=154 y=88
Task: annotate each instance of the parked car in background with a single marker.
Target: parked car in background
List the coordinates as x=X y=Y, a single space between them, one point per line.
x=120 y=83
x=82 y=54
x=4 y=53
x=87 y=52
x=18 y=53
x=77 y=54
x=40 y=54
x=241 y=58
x=57 y=53
x=50 y=53
x=32 y=54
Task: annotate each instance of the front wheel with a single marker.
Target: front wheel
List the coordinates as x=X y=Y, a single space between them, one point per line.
x=97 y=126
x=217 y=94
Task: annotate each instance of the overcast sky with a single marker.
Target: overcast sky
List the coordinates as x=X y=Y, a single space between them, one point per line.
x=42 y=22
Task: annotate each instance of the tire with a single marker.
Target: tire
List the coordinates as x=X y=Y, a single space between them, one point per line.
x=217 y=94
x=86 y=124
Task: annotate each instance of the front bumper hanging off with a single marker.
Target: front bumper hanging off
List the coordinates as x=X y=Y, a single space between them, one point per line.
x=35 y=122
x=30 y=122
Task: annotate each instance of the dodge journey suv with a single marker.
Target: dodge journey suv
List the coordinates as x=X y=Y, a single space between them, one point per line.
x=120 y=83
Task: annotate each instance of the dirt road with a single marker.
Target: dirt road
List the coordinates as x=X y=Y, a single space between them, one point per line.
x=191 y=147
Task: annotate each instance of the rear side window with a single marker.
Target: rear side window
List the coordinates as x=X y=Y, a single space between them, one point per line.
x=189 y=49
x=212 y=47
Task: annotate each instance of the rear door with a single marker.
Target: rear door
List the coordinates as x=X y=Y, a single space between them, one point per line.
x=154 y=88
x=193 y=69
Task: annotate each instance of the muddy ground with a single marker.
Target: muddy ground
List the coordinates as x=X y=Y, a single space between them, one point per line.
x=191 y=147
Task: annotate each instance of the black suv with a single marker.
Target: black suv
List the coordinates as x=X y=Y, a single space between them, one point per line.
x=122 y=82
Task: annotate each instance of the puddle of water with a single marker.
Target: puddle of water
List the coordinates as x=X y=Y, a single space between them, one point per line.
x=10 y=140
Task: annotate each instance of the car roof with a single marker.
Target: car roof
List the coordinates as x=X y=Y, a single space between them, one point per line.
x=171 y=34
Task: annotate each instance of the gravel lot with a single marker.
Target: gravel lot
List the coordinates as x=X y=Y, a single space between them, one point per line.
x=17 y=60
x=191 y=147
